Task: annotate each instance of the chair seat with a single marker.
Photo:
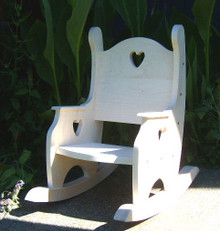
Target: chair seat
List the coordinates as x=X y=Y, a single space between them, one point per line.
x=98 y=152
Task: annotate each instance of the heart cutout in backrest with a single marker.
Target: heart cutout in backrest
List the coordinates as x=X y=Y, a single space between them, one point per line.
x=137 y=58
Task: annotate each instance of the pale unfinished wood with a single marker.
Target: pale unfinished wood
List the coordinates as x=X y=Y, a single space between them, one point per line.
x=146 y=88
x=98 y=152
x=74 y=188
x=159 y=202
x=152 y=95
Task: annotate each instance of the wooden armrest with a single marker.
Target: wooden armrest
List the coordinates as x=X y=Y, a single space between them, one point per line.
x=68 y=108
x=155 y=115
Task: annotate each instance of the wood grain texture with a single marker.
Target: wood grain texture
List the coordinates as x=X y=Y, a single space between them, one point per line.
x=123 y=90
x=98 y=152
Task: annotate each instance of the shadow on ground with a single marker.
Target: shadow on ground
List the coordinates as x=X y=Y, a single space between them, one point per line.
x=98 y=204
x=10 y=225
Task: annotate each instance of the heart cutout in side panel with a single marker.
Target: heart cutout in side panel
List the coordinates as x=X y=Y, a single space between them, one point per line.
x=77 y=125
x=137 y=59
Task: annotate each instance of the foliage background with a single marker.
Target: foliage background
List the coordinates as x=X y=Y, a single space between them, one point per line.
x=45 y=61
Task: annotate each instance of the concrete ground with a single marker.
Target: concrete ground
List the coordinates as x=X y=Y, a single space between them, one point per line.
x=197 y=210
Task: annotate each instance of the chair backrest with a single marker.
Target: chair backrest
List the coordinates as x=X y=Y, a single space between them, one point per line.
x=120 y=89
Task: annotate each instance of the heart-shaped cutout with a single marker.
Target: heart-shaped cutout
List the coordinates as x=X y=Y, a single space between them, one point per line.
x=137 y=58
x=77 y=125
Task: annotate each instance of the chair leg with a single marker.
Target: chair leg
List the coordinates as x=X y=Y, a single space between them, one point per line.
x=61 y=165
x=143 y=179
x=93 y=174
x=145 y=207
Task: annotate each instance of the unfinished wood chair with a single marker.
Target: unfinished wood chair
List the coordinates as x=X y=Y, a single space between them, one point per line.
x=151 y=95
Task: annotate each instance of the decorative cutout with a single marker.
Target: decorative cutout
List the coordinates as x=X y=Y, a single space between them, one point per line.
x=159 y=134
x=161 y=131
x=157 y=187
x=137 y=58
x=74 y=173
x=77 y=125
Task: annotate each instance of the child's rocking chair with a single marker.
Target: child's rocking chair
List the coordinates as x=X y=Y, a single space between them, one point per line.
x=152 y=95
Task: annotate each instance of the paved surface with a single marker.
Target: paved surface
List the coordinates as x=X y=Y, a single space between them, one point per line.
x=197 y=210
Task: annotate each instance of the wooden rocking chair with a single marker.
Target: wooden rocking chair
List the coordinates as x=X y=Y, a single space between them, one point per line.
x=151 y=95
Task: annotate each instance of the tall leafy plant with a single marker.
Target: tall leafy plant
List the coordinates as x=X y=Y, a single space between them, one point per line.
x=133 y=13
x=18 y=98
x=202 y=116
x=62 y=37
x=75 y=27
x=104 y=17
x=49 y=52
x=204 y=106
x=203 y=12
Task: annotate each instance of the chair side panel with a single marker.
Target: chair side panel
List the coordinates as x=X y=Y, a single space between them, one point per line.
x=123 y=90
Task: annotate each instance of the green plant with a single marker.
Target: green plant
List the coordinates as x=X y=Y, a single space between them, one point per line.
x=202 y=142
x=75 y=28
x=21 y=102
x=49 y=52
x=202 y=132
x=203 y=12
x=133 y=14
x=59 y=57
x=12 y=170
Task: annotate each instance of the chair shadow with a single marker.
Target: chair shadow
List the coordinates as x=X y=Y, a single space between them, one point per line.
x=101 y=202
x=9 y=225
x=98 y=204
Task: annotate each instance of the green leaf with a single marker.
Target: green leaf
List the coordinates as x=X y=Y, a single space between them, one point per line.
x=75 y=27
x=203 y=11
x=57 y=8
x=133 y=13
x=49 y=52
x=104 y=15
x=76 y=23
x=22 y=91
x=201 y=112
x=12 y=181
x=15 y=104
x=178 y=17
x=24 y=157
x=189 y=157
x=36 y=42
x=3 y=167
x=7 y=174
x=16 y=128
x=62 y=46
x=72 y=3
x=36 y=39
x=35 y=94
x=192 y=75
x=44 y=70
x=47 y=115
x=28 y=177
x=204 y=87
x=151 y=30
